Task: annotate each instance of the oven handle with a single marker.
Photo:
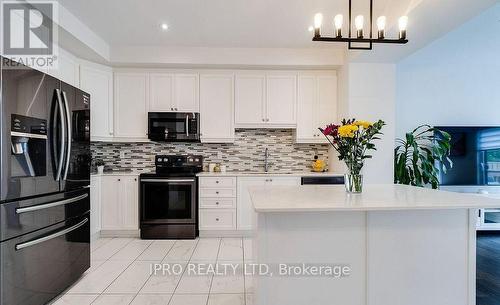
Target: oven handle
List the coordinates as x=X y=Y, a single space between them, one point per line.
x=50 y=204
x=167 y=180
x=51 y=236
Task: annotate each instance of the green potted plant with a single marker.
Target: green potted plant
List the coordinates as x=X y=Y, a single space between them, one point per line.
x=421 y=155
x=99 y=163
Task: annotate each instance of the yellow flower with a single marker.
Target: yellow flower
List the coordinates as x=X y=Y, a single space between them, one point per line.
x=347 y=131
x=364 y=124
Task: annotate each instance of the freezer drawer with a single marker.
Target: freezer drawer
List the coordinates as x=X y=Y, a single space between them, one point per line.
x=24 y=216
x=38 y=266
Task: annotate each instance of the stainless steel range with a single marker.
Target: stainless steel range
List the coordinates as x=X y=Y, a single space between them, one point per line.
x=168 y=198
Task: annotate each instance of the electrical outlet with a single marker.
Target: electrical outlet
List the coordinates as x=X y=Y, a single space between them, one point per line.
x=122 y=155
x=219 y=155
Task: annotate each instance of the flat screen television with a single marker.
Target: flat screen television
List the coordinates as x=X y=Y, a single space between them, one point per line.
x=475 y=152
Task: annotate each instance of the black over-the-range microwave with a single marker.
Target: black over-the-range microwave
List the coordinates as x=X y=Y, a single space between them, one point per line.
x=174 y=126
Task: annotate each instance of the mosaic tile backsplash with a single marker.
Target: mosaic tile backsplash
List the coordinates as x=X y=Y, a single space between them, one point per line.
x=246 y=154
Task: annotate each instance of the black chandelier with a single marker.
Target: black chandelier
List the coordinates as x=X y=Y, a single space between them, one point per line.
x=359 y=23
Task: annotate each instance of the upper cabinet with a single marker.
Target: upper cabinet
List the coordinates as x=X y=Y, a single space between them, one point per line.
x=217 y=107
x=266 y=100
x=317 y=105
x=131 y=99
x=177 y=92
x=97 y=80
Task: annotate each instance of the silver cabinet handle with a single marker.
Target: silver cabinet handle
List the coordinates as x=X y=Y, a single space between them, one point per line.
x=217 y=203
x=167 y=180
x=50 y=204
x=68 y=133
x=63 y=135
x=187 y=125
x=51 y=236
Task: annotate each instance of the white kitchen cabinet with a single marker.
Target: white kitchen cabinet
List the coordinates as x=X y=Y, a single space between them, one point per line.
x=317 y=105
x=95 y=205
x=217 y=108
x=250 y=98
x=131 y=91
x=217 y=208
x=161 y=97
x=67 y=68
x=281 y=99
x=119 y=203
x=177 y=92
x=97 y=80
x=265 y=100
x=244 y=207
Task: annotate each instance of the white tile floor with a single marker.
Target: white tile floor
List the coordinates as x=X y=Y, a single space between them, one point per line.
x=120 y=273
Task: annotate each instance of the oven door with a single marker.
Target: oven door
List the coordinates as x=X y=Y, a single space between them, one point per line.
x=168 y=201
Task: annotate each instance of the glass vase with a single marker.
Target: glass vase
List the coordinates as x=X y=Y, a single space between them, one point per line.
x=353 y=183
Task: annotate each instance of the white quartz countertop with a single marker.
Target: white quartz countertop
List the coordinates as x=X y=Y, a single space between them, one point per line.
x=116 y=173
x=318 y=198
x=264 y=174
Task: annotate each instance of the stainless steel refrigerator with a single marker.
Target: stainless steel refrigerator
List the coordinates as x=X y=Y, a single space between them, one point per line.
x=45 y=176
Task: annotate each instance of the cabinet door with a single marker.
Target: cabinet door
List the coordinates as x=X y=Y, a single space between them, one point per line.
x=216 y=108
x=327 y=101
x=244 y=207
x=110 y=207
x=129 y=201
x=161 y=97
x=281 y=101
x=95 y=204
x=98 y=82
x=306 y=121
x=285 y=181
x=131 y=95
x=250 y=99
x=186 y=93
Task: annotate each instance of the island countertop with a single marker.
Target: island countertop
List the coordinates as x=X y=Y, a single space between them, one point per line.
x=324 y=198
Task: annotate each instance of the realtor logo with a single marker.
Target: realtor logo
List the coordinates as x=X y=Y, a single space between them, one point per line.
x=29 y=32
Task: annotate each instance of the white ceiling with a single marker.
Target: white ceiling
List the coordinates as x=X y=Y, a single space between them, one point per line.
x=261 y=23
x=216 y=23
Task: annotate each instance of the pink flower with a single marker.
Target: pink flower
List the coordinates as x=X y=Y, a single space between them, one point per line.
x=331 y=130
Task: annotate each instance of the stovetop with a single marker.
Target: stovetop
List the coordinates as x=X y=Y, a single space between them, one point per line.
x=176 y=166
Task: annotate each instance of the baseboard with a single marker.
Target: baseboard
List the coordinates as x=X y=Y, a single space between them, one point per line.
x=119 y=233
x=226 y=233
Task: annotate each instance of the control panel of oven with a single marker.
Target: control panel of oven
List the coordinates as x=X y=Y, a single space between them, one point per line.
x=178 y=161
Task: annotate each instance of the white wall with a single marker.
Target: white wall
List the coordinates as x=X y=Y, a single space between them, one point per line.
x=371 y=96
x=455 y=80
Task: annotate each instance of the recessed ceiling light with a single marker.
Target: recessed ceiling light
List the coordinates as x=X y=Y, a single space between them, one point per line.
x=164 y=26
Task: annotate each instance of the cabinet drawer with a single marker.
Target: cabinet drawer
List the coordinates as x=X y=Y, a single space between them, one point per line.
x=219 y=203
x=218 y=182
x=217 y=219
x=217 y=193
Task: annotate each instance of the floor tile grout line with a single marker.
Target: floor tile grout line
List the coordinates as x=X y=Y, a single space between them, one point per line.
x=212 y=280
x=110 y=239
x=150 y=275
x=128 y=266
x=184 y=271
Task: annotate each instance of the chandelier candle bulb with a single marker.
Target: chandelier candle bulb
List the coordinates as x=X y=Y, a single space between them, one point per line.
x=381 y=27
x=338 y=21
x=403 y=23
x=318 y=20
x=359 y=22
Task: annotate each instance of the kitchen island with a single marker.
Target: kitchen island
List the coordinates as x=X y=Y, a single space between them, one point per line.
x=398 y=245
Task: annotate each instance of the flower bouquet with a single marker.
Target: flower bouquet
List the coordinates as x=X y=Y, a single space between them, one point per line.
x=352 y=140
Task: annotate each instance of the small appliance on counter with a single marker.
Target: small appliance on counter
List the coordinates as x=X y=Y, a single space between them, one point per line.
x=318 y=165
x=169 y=199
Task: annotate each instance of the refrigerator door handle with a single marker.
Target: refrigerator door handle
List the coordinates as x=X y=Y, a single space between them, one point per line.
x=50 y=204
x=51 y=236
x=68 y=134
x=63 y=135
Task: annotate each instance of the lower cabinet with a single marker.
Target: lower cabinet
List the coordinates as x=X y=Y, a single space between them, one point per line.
x=225 y=203
x=119 y=203
x=246 y=215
